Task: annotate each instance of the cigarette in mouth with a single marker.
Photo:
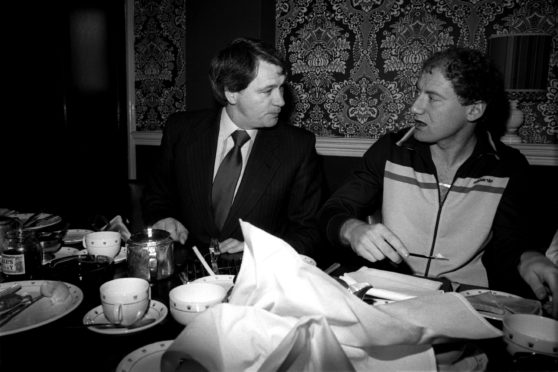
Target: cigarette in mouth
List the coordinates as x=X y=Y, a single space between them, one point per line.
x=406 y=136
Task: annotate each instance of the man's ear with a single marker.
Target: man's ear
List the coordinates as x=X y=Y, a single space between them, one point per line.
x=476 y=110
x=231 y=97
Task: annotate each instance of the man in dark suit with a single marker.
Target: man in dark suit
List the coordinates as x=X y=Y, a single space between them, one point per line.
x=280 y=185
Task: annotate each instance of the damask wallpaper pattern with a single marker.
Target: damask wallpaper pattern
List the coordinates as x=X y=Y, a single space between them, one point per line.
x=353 y=63
x=159 y=33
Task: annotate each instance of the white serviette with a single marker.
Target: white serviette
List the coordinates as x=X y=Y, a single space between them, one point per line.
x=286 y=314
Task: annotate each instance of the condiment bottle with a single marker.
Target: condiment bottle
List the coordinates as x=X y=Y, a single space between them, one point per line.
x=21 y=258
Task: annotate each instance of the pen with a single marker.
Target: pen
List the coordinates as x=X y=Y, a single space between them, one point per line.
x=437 y=257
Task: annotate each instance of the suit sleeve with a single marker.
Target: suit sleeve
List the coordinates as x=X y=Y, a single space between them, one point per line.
x=159 y=197
x=305 y=199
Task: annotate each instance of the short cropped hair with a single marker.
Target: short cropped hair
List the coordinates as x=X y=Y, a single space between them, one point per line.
x=474 y=77
x=234 y=67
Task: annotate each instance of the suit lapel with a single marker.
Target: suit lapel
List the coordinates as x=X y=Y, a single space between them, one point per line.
x=262 y=165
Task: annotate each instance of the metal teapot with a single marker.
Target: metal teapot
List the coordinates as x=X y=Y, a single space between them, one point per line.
x=150 y=255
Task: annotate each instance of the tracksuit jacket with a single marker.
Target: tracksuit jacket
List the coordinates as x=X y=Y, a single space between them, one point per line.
x=479 y=226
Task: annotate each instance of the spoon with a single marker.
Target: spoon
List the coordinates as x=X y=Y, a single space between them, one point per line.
x=140 y=323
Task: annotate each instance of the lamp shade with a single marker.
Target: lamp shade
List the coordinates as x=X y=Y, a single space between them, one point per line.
x=523 y=59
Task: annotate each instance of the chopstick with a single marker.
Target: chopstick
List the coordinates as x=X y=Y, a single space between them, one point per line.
x=203 y=261
x=439 y=257
x=406 y=136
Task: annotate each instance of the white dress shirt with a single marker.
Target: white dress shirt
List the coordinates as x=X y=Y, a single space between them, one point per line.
x=225 y=143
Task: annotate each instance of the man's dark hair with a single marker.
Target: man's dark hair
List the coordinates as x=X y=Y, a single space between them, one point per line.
x=234 y=67
x=474 y=77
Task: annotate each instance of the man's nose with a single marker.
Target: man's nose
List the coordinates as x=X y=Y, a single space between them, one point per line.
x=418 y=105
x=278 y=99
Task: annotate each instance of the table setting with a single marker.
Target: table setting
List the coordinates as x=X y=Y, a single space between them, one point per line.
x=266 y=309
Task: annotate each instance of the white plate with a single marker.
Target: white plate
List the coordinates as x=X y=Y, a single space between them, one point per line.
x=74 y=236
x=63 y=252
x=144 y=359
x=473 y=292
x=225 y=281
x=121 y=256
x=41 y=312
x=157 y=311
x=41 y=224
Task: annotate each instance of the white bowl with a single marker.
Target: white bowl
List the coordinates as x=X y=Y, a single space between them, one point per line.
x=102 y=243
x=189 y=300
x=531 y=333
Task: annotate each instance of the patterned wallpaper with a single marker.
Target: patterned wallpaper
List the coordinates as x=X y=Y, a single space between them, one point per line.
x=160 y=33
x=353 y=63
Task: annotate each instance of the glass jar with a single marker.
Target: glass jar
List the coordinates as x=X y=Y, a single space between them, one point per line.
x=21 y=258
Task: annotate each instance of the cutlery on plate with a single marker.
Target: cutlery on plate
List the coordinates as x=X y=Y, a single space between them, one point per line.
x=24 y=304
x=32 y=219
x=9 y=290
x=140 y=323
x=436 y=257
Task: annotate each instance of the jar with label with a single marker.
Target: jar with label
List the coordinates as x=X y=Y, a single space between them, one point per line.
x=21 y=258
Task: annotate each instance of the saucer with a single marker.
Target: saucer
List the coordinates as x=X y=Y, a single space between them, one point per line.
x=157 y=311
x=121 y=256
x=145 y=359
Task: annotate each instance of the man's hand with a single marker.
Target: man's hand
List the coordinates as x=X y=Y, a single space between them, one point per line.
x=542 y=276
x=177 y=231
x=373 y=242
x=231 y=245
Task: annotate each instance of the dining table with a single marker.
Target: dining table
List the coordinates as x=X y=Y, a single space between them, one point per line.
x=65 y=344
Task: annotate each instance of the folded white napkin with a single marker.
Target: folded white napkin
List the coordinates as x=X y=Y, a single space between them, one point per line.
x=286 y=314
x=117 y=224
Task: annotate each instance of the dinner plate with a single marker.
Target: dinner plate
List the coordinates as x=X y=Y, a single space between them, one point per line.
x=488 y=315
x=225 y=281
x=74 y=236
x=157 y=311
x=144 y=359
x=43 y=311
x=121 y=256
x=45 y=222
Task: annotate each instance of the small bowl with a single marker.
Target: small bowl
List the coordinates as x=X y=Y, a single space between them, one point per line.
x=103 y=243
x=189 y=300
x=527 y=333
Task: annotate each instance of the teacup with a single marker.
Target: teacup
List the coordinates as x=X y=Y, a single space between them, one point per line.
x=102 y=243
x=125 y=300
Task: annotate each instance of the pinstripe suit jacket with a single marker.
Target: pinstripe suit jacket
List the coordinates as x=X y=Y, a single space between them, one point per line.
x=280 y=191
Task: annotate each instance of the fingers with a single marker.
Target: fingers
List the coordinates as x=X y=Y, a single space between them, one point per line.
x=176 y=230
x=231 y=246
x=377 y=242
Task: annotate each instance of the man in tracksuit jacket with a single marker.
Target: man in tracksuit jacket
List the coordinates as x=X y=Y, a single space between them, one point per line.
x=447 y=188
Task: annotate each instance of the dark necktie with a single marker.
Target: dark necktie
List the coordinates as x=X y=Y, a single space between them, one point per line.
x=227 y=178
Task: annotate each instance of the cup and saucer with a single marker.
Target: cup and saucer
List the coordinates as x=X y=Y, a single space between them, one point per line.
x=124 y=303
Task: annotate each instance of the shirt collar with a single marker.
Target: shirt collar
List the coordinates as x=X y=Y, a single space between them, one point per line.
x=227 y=127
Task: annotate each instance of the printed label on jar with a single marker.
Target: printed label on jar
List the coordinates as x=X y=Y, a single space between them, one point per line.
x=13 y=264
